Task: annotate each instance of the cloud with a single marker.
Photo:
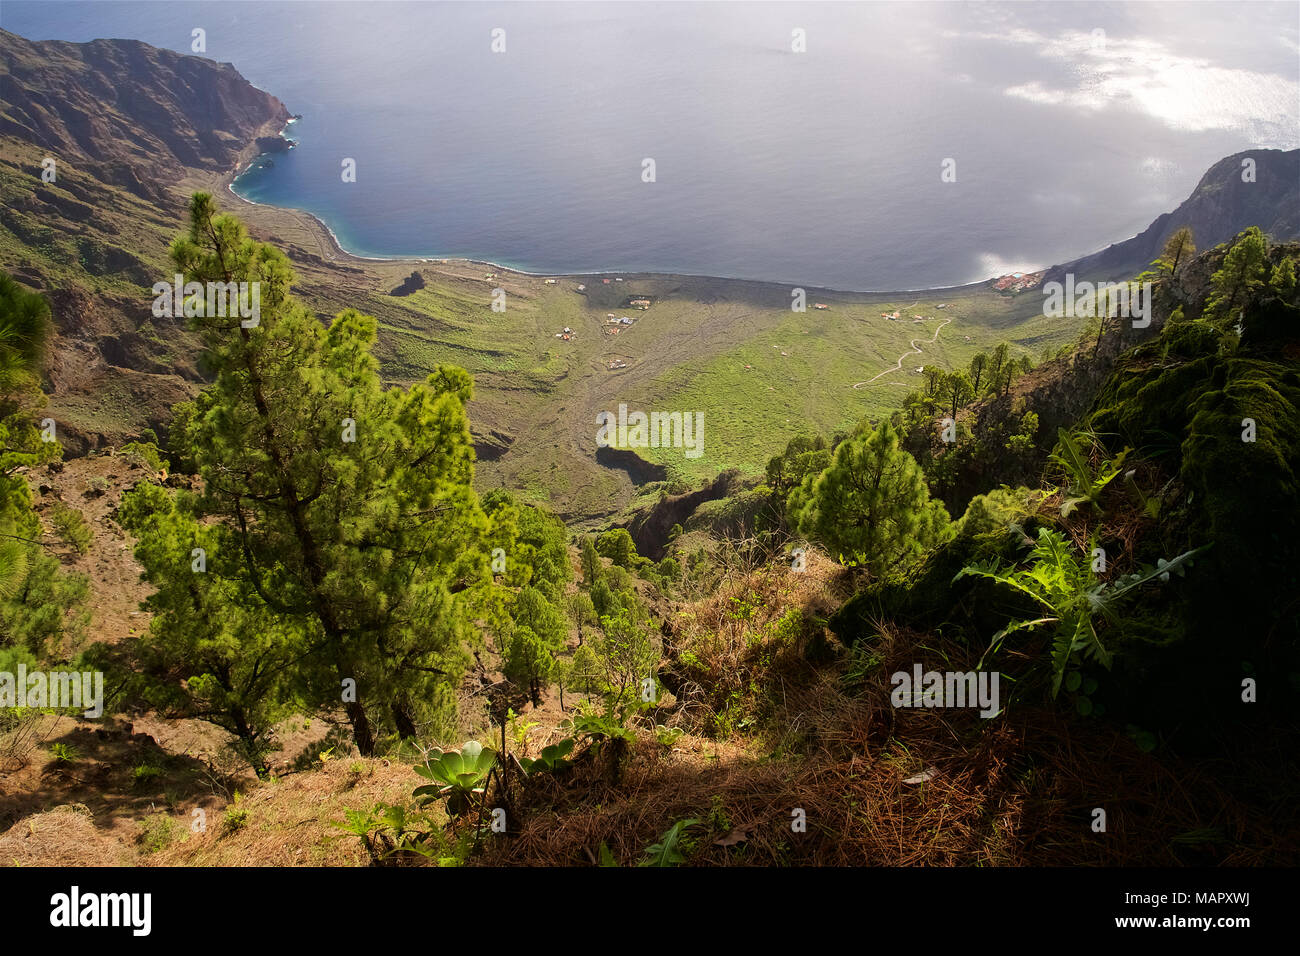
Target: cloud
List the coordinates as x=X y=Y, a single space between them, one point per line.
x=1183 y=92
x=991 y=265
x=1035 y=92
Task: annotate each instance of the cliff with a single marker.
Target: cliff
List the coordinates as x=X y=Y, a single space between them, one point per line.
x=135 y=113
x=127 y=124
x=1220 y=206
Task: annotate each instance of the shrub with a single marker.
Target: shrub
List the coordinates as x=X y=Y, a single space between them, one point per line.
x=236 y=815
x=71 y=527
x=617 y=545
x=158 y=830
x=64 y=753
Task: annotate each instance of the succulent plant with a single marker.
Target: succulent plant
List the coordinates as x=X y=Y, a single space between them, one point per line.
x=667 y=736
x=457 y=774
x=552 y=758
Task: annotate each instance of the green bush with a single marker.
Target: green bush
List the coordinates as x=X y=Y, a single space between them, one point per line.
x=71 y=527
x=146 y=452
x=158 y=831
x=617 y=545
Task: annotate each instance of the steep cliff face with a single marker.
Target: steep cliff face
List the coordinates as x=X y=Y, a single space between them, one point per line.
x=126 y=123
x=130 y=108
x=1221 y=206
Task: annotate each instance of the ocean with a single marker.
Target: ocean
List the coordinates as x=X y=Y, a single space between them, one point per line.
x=908 y=146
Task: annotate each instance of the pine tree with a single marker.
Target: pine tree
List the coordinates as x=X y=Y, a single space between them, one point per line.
x=997 y=365
x=210 y=655
x=339 y=509
x=978 y=366
x=24 y=327
x=534 y=611
x=1243 y=273
x=871 y=505
x=592 y=567
x=617 y=545
x=957 y=391
x=1178 y=249
x=529 y=662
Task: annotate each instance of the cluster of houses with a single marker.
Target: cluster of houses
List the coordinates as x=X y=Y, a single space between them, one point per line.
x=895 y=315
x=617 y=364
x=1018 y=282
x=616 y=323
x=566 y=335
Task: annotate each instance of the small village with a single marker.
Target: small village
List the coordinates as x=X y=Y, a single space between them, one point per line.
x=916 y=319
x=1018 y=282
x=613 y=323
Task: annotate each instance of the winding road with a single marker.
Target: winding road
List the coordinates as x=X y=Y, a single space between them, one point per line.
x=915 y=351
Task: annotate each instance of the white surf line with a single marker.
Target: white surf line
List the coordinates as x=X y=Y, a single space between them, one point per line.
x=915 y=351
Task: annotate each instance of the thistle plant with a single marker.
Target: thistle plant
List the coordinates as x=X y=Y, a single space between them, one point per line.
x=1084 y=483
x=1061 y=580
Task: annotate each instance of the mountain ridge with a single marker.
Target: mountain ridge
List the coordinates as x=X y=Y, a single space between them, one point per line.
x=125 y=103
x=1221 y=205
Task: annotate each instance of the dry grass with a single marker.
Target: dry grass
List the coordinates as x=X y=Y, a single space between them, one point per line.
x=63 y=836
x=290 y=821
x=823 y=738
x=1015 y=790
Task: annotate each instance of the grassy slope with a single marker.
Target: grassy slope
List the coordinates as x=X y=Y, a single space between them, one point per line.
x=687 y=353
x=802 y=369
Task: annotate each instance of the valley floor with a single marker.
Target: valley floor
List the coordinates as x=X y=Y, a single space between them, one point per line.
x=732 y=350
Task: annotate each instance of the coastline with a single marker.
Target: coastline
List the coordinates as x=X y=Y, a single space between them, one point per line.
x=334 y=252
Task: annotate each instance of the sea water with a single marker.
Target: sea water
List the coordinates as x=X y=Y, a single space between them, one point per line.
x=1065 y=126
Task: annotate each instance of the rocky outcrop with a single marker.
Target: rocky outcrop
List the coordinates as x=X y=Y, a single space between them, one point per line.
x=125 y=123
x=491 y=444
x=649 y=528
x=272 y=144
